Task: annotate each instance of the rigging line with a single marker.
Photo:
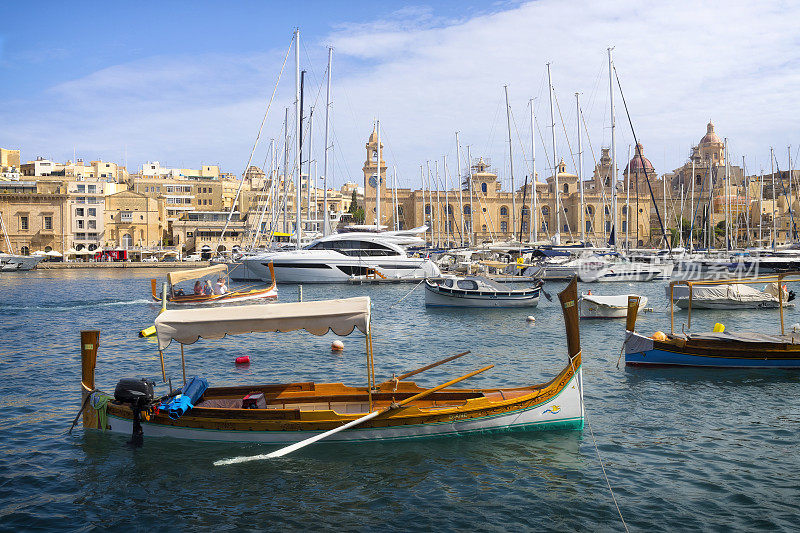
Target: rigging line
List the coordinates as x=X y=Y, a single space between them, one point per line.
x=641 y=160
x=255 y=144
x=564 y=128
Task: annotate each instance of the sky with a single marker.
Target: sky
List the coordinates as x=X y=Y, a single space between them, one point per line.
x=188 y=83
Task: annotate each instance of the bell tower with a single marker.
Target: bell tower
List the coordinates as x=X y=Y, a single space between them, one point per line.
x=374 y=180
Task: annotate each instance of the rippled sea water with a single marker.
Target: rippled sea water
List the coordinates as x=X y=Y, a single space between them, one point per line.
x=684 y=449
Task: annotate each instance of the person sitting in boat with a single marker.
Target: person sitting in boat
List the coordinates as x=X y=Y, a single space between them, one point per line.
x=198 y=287
x=219 y=286
x=207 y=289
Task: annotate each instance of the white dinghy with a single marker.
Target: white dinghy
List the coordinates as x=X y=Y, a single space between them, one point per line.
x=478 y=292
x=597 y=306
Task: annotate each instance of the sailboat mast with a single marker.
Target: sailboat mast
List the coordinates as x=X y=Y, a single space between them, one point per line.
x=727 y=192
x=628 y=203
x=614 y=226
x=285 y=171
x=511 y=167
x=582 y=219
x=460 y=189
x=774 y=207
x=471 y=197
x=555 y=159
x=298 y=140
x=310 y=181
x=761 y=210
x=447 y=210
x=438 y=204
x=326 y=221
x=692 y=214
x=430 y=203
x=747 y=202
x=534 y=229
x=396 y=210
x=791 y=210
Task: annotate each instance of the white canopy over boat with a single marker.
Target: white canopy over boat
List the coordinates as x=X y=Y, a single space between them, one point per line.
x=188 y=326
x=195 y=273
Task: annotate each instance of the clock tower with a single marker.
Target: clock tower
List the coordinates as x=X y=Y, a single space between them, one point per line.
x=375 y=180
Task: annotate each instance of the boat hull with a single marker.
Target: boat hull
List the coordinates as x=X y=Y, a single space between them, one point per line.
x=563 y=412
x=592 y=309
x=435 y=298
x=643 y=351
x=310 y=269
x=13 y=263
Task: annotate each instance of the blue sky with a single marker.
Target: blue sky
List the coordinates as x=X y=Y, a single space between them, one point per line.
x=187 y=83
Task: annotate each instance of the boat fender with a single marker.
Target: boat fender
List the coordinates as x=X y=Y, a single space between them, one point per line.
x=337 y=346
x=147 y=332
x=243 y=360
x=659 y=336
x=796 y=327
x=719 y=328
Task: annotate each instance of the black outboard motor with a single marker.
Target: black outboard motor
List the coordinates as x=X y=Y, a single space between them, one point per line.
x=791 y=296
x=138 y=393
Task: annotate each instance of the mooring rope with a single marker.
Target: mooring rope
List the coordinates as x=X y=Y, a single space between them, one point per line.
x=409 y=292
x=603 y=468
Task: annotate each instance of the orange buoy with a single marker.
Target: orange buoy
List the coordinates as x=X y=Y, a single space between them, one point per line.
x=589 y=293
x=337 y=346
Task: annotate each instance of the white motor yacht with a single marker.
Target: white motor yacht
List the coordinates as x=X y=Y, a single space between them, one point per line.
x=338 y=258
x=10 y=262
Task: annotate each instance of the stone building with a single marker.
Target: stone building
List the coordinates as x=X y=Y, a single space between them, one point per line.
x=35 y=216
x=133 y=220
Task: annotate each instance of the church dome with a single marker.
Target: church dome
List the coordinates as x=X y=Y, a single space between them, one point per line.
x=710 y=137
x=635 y=164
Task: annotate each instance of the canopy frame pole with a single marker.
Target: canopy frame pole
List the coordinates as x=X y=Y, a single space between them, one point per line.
x=691 y=297
x=780 y=287
x=163 y=371
x=370 y=369
x=183 y=365
x=672 y=308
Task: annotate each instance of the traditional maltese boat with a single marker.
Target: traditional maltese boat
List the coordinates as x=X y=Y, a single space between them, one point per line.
x=478 y=291
x=717 y=348
x=307 y=411
x=176 y=296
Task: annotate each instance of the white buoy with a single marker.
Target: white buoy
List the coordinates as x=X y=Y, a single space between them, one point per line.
x=795 y=327
x=337 y=346
x=531 y=318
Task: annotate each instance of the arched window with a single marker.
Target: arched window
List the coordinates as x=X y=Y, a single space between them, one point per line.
x=624 y=209
x=484 y=188
x=25 y=250
x=428 y=209
x=221 y=248
x=525 y=212
x=48 y=248
x=503 y=211
x=608 y=182
x=589 y=225
x=483 y=227
x=607 y=210
x=624 y=226
x=449 y=209
x=566 y=228
x=545 y=211
x=399 y=210
x=566 y=188
x=590 y=210
x=467 y=210
x=127 y=240
x=698 y=180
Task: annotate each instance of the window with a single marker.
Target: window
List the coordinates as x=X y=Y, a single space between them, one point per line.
x=79 y=212
x=48 y=222
x=589 y=210
x=503 y=211
x=608 y=226
x=91 y=189
x=399 y=210
x=566 y=188
x=23 y=223
x=589 y=225
x=80 y=200
x=545 y=211
x=624 y=209
x=25 y=250
x=624 y=226
x=467 y=284
x=566 y=228
x=524 y=212
x=607 y=210
x=92 y=212
x=126 y=216
x=80 y=236
x=80 y=223
x=483 y=227
x=504 y=226
x=91 y=224
x=189 y=234
x=484 y=188
x=467 y=210
x=81 y=188
x=92 y=236
x=428 y=209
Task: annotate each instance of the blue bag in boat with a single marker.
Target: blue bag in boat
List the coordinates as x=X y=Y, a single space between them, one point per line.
x=190 y=394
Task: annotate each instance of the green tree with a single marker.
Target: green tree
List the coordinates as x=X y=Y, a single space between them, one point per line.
x=359 y=216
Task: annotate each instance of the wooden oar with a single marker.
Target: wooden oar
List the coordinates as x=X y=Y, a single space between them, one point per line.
x=311 y=440
x=432 y=365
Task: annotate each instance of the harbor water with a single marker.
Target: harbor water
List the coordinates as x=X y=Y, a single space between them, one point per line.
x=683 y=449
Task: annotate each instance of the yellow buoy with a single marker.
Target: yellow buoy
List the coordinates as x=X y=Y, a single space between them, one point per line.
x=719 y=328
x=148 y=332
x=659 y=336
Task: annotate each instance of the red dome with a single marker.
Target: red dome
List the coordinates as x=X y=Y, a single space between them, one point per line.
x=635 y=164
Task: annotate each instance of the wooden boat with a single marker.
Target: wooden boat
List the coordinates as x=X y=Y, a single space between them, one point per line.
x=394 y=409
x=718 y=348
x=239 y=295
x=598 y=306
x=478 y=291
